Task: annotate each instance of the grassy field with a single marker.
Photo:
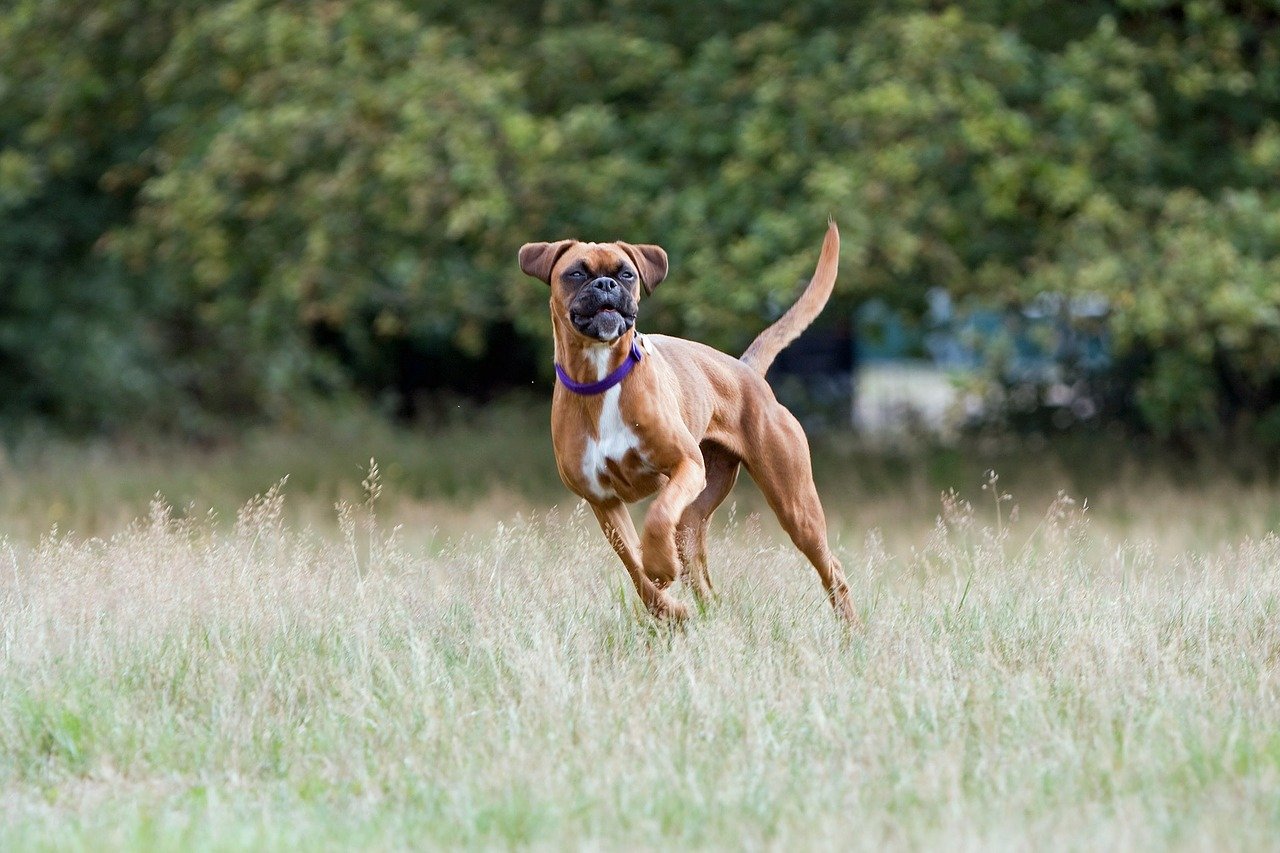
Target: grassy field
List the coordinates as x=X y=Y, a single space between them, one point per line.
x=435 y=665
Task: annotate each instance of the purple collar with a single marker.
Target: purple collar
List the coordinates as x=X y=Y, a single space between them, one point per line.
x=590 y=388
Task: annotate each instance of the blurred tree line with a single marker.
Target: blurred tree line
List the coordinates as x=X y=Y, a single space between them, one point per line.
x=209 y=210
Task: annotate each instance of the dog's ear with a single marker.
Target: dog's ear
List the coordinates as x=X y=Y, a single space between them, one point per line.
x=539 y=259
x=650 y=261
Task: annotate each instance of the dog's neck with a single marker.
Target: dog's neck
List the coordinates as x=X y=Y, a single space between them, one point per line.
x=590 y=361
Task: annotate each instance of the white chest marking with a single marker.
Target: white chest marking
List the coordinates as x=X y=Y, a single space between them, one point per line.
x=613 y=437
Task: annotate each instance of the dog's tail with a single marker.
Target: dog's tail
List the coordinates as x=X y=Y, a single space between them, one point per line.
x=773 y=340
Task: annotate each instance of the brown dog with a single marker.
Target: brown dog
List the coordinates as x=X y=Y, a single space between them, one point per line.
x=637 y=414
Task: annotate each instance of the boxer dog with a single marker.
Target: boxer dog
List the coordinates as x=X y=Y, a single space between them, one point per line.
x=633 y=415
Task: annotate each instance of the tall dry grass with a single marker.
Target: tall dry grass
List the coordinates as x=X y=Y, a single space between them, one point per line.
x=1021 y=682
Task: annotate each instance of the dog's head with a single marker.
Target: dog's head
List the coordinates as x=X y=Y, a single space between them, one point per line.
x=595 y=287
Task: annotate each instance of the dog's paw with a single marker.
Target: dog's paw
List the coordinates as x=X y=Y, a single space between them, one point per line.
x=848 y=615
x=668 y=609
x=660 y=576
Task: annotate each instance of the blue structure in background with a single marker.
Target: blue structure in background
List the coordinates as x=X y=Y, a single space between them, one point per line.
x=1044 y=356
x=1031 y=344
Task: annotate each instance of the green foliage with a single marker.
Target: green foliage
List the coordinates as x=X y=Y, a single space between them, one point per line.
x=218 y=207
x=344 y=174
x=78 y=342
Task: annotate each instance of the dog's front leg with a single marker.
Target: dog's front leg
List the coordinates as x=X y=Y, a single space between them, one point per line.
x=616 y=523
x=685 y=482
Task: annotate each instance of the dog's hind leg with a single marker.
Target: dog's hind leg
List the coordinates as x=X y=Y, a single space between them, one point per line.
x=781 y=467
x=691 y=533
x=616 y=523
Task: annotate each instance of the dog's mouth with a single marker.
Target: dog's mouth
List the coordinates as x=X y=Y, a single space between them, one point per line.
x=602 y=320
x=599 y=313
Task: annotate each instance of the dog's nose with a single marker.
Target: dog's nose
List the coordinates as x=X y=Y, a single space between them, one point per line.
x=605 y=284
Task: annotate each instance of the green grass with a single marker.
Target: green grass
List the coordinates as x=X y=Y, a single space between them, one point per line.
x=452 y=463
x=468 y=467
x=289 y=676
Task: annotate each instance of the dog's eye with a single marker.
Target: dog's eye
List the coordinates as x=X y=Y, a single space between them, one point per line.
x=575 y=275
x=626 y=275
